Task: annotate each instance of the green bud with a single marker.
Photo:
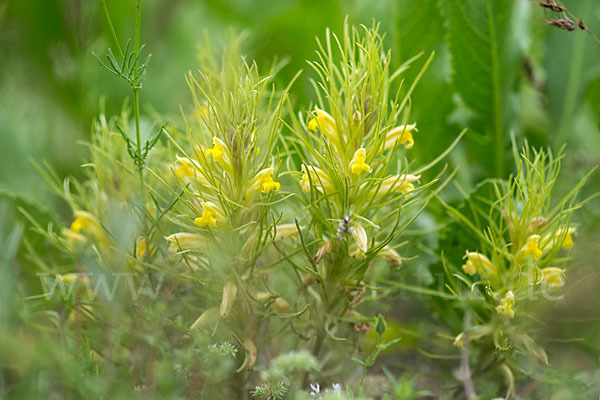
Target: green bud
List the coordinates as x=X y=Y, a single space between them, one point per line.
x=380 y=325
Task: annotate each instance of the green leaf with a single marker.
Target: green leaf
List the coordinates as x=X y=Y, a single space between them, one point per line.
x=36 y=222
x=419 y=27
x=484 y=60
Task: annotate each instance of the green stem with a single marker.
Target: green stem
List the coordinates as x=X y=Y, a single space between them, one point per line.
x=136 y=101
x=136 y=42
x=112 y=28
x=138 y=139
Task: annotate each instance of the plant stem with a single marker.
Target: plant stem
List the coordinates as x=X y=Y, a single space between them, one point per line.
x=138 y=7
x=112 y=28
x=136 y=101
x=136 y=111
x=465 y=369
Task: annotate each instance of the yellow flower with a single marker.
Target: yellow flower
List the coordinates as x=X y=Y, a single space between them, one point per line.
x=75 y=276
x=552 y=276
x=185 y=241
x=189 y=168
x=567 y=244
x=564 y=234
x=262 y=183
x=326 y=124
x=319 y=179
x=142 y=247
x=401 y=134
x=506 y=305
x=220 y=154
x=459 y=340
x=396 y=184
x=211 y=214
x=84 y=223
x=358 y=164
x=285 y=231
x=531 y=247
x=477 y=262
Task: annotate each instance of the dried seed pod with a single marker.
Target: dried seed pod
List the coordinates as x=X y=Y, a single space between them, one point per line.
x=229 y=295
x=323 y=250
x=208 y=317
x=360 y=237
x=250 y=353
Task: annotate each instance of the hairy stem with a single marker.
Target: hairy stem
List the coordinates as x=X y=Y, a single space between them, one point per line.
x=465 y=369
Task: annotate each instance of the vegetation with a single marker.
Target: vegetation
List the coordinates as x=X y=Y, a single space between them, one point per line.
x=396 y=210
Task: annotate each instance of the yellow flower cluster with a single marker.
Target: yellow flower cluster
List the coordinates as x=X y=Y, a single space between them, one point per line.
x=533 y=249
x=324 y=123
x=216 y=164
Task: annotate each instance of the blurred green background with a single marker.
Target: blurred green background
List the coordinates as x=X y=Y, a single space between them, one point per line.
x=542 y=83
x=549 y=79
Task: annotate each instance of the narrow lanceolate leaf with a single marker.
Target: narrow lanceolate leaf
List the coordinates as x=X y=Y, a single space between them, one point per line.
x=484 y=60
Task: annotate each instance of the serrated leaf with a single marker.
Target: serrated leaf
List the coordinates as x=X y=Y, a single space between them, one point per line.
x=483 y=52
x=484 y=60
x=420 y=28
